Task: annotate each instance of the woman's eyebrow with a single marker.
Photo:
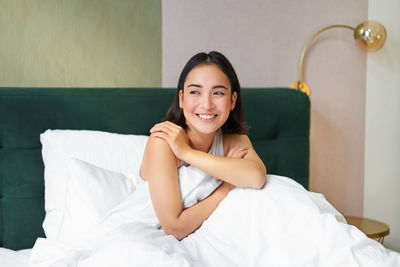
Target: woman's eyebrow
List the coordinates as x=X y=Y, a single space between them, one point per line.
x=214 y=87
x=195 y=85
x=219 y=86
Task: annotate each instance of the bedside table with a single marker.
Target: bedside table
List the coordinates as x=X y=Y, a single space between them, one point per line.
x=371 y=228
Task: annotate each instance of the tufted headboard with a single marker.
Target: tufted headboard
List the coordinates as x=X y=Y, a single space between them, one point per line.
x=279 y=120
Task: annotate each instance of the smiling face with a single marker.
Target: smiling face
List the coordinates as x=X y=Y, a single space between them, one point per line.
x=207 y=99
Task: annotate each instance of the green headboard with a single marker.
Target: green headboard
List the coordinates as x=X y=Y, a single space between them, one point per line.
x=279 y=120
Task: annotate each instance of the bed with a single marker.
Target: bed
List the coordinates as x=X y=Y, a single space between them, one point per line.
x=279 y=120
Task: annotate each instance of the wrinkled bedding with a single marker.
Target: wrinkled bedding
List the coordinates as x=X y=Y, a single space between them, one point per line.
x=280 y=225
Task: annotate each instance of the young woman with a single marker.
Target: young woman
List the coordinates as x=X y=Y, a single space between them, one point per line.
x=207 y=109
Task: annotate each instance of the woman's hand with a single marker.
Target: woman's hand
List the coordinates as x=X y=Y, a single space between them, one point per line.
x=174 y=135
x=238 y=152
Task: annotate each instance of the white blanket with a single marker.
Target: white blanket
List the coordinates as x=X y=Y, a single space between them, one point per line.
x=12 y=258
x=280 y=225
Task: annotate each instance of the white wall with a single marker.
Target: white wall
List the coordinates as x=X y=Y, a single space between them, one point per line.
x=382 y=137
x=263 y=40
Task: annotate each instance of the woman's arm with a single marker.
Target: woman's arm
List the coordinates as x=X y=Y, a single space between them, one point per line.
x=192 y=218
x=248 y=171
x=159 y=168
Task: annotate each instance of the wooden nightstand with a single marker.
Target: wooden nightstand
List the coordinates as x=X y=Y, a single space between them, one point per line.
x=371 y=228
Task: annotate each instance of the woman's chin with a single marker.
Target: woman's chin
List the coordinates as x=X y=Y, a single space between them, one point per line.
x=211 y=129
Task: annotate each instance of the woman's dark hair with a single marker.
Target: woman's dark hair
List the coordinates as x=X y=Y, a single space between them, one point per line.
x=235 y=123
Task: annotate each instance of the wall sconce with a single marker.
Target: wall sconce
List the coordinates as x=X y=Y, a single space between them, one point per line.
x=369 y=36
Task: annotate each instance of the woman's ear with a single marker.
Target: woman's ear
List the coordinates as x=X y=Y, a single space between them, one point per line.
x=234 y=97
x=181 y=99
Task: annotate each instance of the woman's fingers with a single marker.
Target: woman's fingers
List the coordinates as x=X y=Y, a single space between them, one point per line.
x=238 y=152
x=165 y=131
x=174 y=131
x=162 y=135
x=167 y=124
x=168 y=127
x=174 y=135
x=160 y=127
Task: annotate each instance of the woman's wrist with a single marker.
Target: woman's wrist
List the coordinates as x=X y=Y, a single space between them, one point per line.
x=187 y=156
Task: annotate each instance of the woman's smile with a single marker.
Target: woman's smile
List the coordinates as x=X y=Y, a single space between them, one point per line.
x=206 y=117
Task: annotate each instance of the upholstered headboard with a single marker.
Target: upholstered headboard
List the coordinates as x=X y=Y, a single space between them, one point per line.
x=279 y=120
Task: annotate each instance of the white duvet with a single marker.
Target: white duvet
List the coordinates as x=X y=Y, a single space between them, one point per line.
x=279 y=225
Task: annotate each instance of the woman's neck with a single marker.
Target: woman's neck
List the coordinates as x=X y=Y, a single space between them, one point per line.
x=199 y=141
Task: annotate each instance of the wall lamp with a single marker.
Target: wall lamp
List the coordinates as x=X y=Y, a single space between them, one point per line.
x=369 y=36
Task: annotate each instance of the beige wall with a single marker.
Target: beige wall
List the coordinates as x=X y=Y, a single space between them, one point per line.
x=80 y=43
x=264 y=39
x=382 y=137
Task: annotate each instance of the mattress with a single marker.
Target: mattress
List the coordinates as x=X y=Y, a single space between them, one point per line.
x=12 y=258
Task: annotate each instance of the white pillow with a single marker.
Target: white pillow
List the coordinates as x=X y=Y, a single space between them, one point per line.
x=92 y=192
x=116 y=152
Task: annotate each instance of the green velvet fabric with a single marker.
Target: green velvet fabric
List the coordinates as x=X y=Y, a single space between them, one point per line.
x=279 y=120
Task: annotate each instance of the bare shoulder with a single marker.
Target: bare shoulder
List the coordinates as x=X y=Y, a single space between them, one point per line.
x=157 y=153
x=233 y=140
x=157 y=142
x=236 y=139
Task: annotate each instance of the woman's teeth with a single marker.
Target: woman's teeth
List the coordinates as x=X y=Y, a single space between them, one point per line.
x=206 y=117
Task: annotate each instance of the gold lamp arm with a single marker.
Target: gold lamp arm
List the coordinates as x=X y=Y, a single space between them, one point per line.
x=369 y=36
x=301 y=84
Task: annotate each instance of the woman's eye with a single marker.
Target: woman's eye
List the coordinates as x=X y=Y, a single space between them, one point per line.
x=194 y=92
x=219 y=93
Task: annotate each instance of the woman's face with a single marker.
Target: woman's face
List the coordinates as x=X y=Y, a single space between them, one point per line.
x=207 y=98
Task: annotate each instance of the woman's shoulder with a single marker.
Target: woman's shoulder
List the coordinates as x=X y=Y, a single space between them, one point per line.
x=157 y=152
x=232 y=140
x=157 y=144
x=235 y=137
x=159 y=147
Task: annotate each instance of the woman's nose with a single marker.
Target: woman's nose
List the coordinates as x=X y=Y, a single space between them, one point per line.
x=207 y=102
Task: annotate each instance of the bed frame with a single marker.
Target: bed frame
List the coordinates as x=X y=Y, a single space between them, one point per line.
x=279 y=120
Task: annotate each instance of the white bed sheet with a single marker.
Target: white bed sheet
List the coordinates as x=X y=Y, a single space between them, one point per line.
x=12 y=258
x=283 y=215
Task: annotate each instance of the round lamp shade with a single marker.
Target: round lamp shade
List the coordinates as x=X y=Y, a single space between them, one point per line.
x=370 y=35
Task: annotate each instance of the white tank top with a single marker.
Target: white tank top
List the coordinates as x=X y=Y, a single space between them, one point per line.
x=195 y=185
